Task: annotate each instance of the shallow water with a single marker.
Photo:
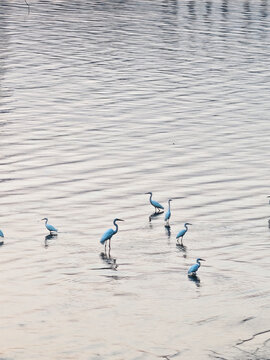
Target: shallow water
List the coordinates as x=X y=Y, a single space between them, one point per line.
x=101 y=102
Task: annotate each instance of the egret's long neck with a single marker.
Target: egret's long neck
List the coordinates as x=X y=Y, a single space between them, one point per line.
x=169 y=203
x=46 y=221
x=150 y=197
x=116 y=226
x=186 y=227
x=198 y=262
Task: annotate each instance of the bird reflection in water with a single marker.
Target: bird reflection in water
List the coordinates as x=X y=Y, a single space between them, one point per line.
x=224 y=8
x=191 y=8
x=155 y=215
x=49 y=237
x=168 y=230
x=182 y=248
x=208 y=7
x=195 y=279
x=264 y=12
x=110 y=261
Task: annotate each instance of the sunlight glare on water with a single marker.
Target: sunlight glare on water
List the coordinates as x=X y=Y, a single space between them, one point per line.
x=101 y=102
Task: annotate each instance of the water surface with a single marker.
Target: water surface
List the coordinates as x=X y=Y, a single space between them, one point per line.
x=100 y=102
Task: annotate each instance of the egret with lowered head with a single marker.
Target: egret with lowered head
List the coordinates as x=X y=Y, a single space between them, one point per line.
x=168 y=213
x=156 y=204
x=182 y=233
x=194 y=268
x=109 y=233
x=49 y=227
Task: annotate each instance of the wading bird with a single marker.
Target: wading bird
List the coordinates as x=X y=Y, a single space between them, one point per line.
x=194 y=268
x=168 y=213
x=109 y=233
x=49 y=227
x=182 y=233
x=2 y=235
x=155 y=203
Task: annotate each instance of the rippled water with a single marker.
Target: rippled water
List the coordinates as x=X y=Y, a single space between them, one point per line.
x=100 y=102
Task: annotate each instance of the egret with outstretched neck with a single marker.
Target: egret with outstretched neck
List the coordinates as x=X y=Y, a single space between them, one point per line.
x=154 y=203
x=194 y=268
x=49 y=227
x=168 y=213
x=109 y=233
x=182 y=233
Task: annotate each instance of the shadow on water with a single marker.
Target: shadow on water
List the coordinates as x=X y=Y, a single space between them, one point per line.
x=195 y=279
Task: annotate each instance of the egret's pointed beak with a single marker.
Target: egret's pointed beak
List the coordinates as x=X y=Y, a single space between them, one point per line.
x=42 y=219
x=203 y=260
x=120 y=220
x=147 y=193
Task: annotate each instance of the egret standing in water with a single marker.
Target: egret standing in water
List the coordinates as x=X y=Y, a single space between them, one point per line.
x=168 y=213
x=109 y=233
x=155 y=203
x=2 y=235
x=194 y=268
x=49 y=227
x=182 y=233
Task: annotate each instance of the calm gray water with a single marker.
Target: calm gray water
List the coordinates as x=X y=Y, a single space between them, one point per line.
x=100 y=102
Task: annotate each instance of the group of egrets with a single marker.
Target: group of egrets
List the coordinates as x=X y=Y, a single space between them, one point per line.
x=107 y=236
x=52 y=230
